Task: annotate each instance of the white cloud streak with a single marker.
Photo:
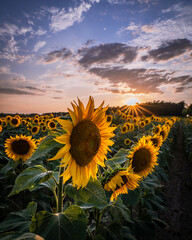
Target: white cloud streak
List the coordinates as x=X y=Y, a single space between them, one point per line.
x=62 y=19
x=39 y=45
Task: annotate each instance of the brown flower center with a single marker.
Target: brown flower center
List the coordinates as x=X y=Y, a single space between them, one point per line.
x=52 y=124
x=14 y=121
x=85 y=141
x=34 y=129
x=141 y=159
x=154 y=141
x=20 y=147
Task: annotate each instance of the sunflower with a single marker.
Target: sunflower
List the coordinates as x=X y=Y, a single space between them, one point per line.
x=43 y=128
x=120 y=181
x=23 y=122
x=143 y=157
x=124 y=129
x=8 y=118
x=35 y=121
x=109 y=118
x=35 y=130
x=1 y=129
x=15 y=122
x=157 y=129
x=127 y=141
x=142 y=124
x=164 y=132
x=86 y=142
x=52 y=125
x=20 y=147
x=156 y=140
x=4 y=124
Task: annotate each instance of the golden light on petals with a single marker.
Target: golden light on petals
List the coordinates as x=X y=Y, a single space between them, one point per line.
x=143 y=157
x=121 y=181
x=20 y=147
x=86 y=142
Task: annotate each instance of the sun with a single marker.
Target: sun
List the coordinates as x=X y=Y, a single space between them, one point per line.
x=132 y=101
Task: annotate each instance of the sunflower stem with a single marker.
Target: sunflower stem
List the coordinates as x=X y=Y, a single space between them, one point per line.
x=56 y=198
x=98 y=218
x=55 y=180
x=60 y=191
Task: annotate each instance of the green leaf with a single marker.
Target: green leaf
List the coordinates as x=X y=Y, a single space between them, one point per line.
x=45 y=147
x=19 y=221
x=69 y=225
x=118 y=158
x=51 y=183
x=120 y=209
x=11 y=165
x=99 y=237
x=93 y=195
x=132 y=198
x=30 y=178
x=20 y=236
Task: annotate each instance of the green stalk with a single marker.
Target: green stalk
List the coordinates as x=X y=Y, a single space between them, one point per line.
x=60 y=191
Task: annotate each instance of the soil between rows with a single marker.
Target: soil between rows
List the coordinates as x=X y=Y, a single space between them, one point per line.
x=178 y=193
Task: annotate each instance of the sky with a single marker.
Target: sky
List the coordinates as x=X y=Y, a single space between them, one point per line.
x=52 y=52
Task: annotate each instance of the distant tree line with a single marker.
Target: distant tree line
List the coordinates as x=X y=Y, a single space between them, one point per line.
x=158 y=108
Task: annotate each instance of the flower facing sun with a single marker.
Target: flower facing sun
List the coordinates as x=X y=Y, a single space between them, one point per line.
x=143 y=157
x=120 y=181
x=20 y=147
x=86 y=142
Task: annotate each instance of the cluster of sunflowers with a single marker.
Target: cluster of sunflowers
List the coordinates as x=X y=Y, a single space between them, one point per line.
x=86 y=140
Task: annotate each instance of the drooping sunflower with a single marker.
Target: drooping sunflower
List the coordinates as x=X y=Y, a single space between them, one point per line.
x=143 y=157
x=120 y=181
x=164 y=132
x=86 y=142
x=156 y=140
x=157 y=129
x=20 y=147
x=15 y=122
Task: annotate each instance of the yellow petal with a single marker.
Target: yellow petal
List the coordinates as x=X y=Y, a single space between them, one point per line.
x=66 y=124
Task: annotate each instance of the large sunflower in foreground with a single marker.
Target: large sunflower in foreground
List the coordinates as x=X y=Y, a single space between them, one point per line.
x=143 y=157
x=86 y=142
x=20 y=147
x=120 y=181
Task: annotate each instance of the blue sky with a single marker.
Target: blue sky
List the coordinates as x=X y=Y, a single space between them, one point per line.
x=55 y=51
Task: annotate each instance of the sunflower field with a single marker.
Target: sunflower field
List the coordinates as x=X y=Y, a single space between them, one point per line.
x=91 y=173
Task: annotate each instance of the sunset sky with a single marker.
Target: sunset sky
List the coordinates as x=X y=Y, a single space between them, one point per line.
x=52 y=52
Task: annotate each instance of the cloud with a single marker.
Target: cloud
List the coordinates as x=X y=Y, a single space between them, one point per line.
x=106 y=53
x=39 y=45
x=169 y=50
x=40 y=32
x=139 y=81
x=15 y=91
x=35 y=89
x=56 y=55
x=10 y=35
x=178 y=25
x=62 y=19
x=180 y=89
